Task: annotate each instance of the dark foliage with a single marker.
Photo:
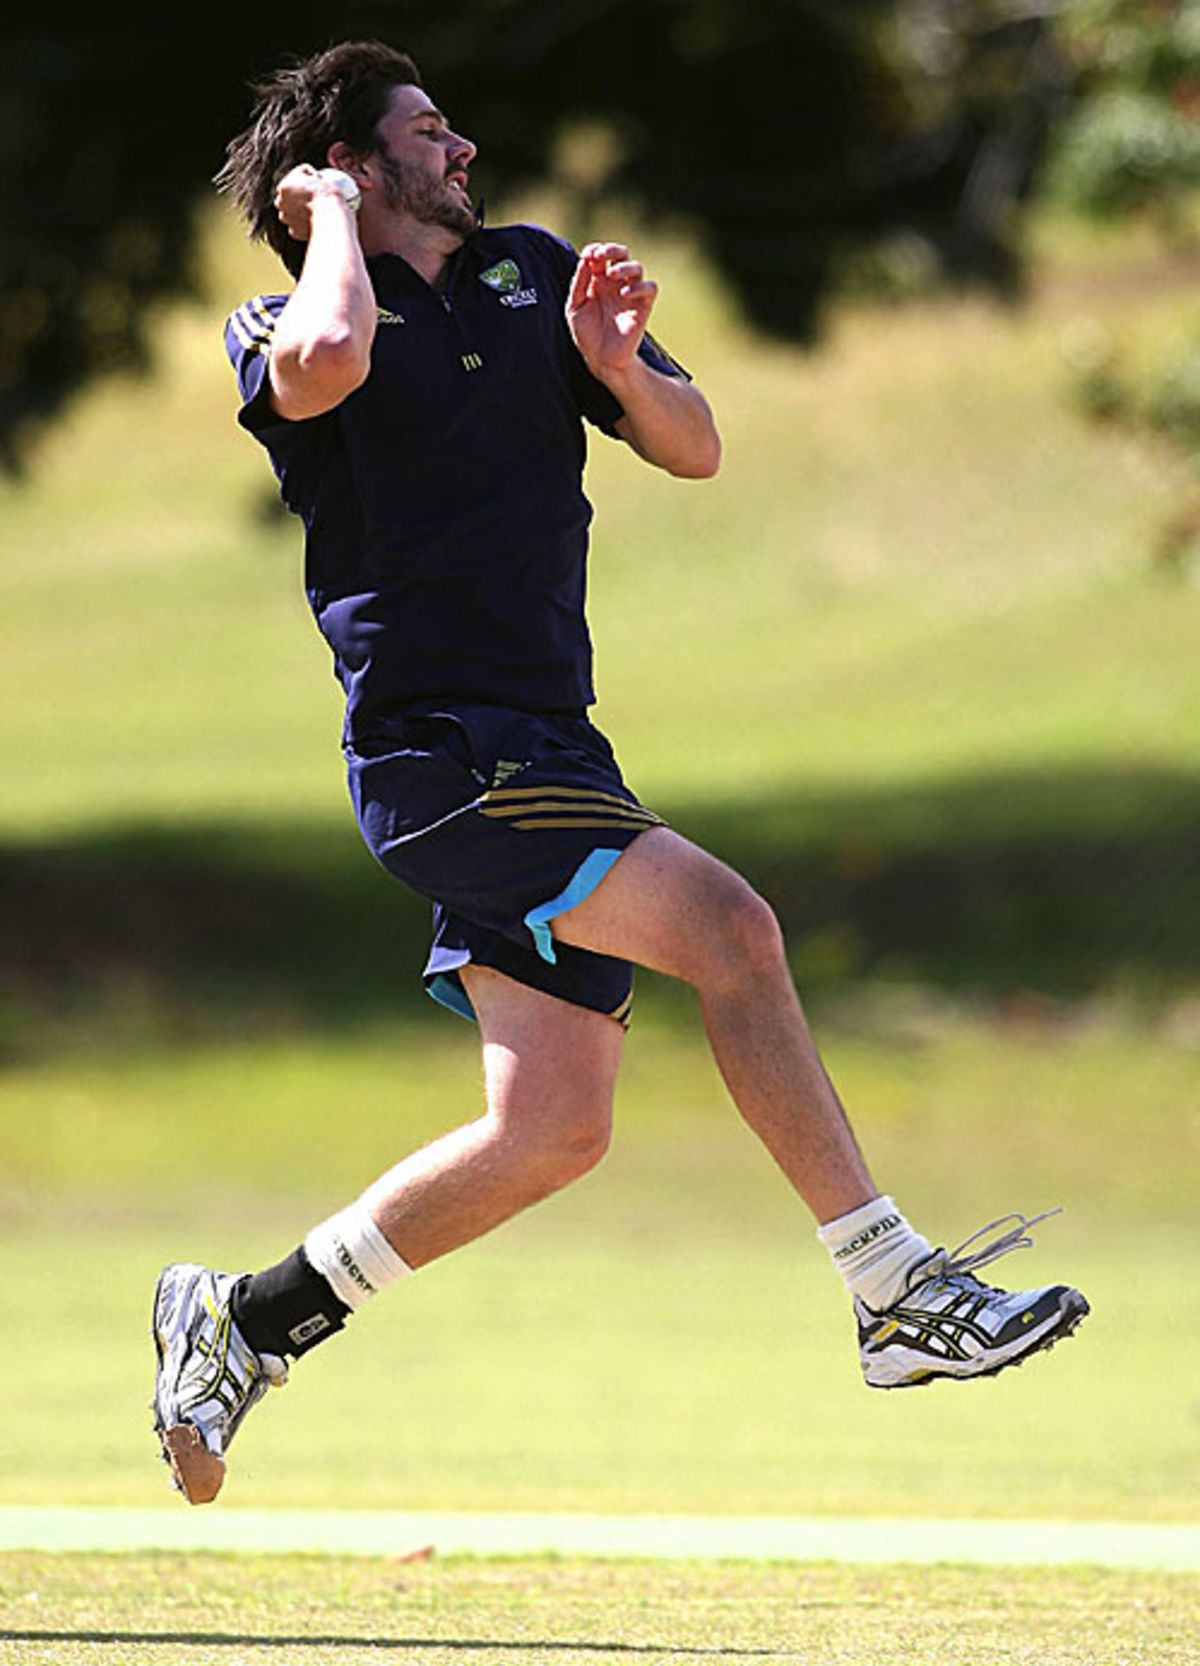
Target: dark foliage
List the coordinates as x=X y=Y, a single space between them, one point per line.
x=1026 y=891
x=790 y=133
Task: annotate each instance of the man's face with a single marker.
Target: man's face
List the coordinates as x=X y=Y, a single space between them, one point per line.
x=424 y=164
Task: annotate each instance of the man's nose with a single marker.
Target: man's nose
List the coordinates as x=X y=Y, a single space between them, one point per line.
x=461 y=150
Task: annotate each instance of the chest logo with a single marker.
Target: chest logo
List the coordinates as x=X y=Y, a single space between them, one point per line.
x=505 y=279
x=386 y=317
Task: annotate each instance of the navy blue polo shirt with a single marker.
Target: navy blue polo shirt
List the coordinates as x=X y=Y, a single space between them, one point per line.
x=446 y=522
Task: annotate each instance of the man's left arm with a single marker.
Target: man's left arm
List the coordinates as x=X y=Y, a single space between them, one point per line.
x=666 y=419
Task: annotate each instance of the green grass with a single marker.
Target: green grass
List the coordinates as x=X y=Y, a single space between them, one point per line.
x=195 y=1610
x=667 y=1335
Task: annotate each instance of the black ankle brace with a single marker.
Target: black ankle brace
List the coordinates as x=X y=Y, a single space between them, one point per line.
x=288 y=1308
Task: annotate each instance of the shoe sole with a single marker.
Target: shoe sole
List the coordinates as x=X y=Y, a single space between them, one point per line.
x=1074 y=1311
x=198 y=1472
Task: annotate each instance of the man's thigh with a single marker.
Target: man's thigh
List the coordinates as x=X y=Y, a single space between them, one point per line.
x=669 y=905
x=543 y=1057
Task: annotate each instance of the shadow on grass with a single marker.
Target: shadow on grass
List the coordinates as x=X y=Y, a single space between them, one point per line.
x=1070 y=886
x=466 y=1645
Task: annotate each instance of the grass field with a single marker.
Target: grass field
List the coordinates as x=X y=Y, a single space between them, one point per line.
x=202 y=1610
x=909 y=664
x=664 y=1337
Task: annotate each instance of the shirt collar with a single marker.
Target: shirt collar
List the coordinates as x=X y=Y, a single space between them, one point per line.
x=388 y=266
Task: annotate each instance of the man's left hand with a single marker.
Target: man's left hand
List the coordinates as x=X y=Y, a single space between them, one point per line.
x=608 y=307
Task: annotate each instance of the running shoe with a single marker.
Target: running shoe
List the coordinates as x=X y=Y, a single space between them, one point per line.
x=208 y=1376
x=950 y=1324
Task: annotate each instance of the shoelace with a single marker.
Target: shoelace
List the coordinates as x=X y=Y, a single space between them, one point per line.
x=1015 y=1238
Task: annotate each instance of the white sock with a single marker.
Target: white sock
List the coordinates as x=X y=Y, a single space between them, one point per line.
x=352 y=1254
x=875 y=1250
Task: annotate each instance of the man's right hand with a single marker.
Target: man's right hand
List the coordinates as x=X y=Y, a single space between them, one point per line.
x=294 y=196
x=321 y=348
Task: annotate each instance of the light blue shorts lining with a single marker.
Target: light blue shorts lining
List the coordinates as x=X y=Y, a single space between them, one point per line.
x=582 y=883
x=448 y=990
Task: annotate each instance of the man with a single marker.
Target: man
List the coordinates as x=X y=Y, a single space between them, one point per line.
x=421 y=393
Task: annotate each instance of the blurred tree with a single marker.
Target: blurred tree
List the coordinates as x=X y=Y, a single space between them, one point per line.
x=797 y=138
x=1131 y=148
x=1132 y=141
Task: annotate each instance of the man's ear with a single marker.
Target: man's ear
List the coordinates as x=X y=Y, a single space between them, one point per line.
x=340 y=155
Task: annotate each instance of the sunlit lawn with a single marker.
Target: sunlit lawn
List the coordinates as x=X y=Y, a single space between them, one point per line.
x=666 y=1337
x=89 y=1611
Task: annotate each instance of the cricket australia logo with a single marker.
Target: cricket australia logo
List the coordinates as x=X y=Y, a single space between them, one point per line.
x=505 y=279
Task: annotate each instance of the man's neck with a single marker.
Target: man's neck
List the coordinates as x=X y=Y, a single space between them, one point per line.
x=427 y=249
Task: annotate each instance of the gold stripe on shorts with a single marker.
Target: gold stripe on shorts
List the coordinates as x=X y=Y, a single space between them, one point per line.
x=530 y=823
x=623 y=1013
x=509 y=800
x=529 y=808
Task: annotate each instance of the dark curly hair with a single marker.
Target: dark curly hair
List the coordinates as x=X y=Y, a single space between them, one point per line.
x=298 y=113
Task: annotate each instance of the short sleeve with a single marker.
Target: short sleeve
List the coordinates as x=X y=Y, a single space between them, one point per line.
x=248 y=334
x=595 y=402
x=602 y=407
x=657 y=357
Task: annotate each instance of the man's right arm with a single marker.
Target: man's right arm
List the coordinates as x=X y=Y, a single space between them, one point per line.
x=321 y=348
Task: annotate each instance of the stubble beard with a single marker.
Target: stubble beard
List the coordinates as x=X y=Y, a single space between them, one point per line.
x=408 y=190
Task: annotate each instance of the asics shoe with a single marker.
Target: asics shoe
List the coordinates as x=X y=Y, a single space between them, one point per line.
x=949 y=1324
x=208 y=1376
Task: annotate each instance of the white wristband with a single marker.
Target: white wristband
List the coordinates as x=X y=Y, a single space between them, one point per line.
x=343 y=182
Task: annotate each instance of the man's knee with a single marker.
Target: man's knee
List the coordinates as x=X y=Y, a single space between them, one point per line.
x=550 y=1070
x=580 y=1146
x=561 y=1139
x=565 y=1153
x=747 y=940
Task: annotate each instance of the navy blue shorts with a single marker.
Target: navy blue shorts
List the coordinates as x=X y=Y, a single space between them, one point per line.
x=504 y=820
